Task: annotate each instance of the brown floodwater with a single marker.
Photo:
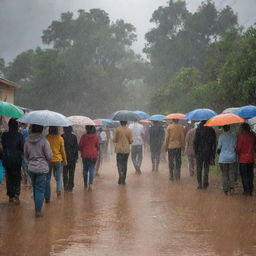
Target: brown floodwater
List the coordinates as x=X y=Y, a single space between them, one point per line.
x=149 y=216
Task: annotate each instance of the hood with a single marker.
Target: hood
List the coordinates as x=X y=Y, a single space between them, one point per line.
x=34 y=138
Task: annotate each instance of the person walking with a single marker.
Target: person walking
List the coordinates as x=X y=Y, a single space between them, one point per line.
x=136 y=151
x=156 y=139
x=205 y=149
x=58 y=160
x=13 y=143
x=71 y=149
x=245 y=148
x=189 y=150
x=37 y=152
x=89 y=148
x=227 y=158
x=174 y=144
x=122 y=139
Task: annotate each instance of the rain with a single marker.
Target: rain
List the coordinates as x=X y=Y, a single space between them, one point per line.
x=127 y=127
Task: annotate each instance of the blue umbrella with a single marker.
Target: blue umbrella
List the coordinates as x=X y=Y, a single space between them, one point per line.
x=246 y=111
x=125 y=115
x=157 y=117
x=142 y=114
x=201 y=114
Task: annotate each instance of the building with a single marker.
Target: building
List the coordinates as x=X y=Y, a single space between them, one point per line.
x=7 y=90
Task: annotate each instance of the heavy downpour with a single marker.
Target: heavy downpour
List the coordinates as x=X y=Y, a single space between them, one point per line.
x=127 y=127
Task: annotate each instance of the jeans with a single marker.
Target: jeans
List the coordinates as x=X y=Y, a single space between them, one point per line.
x=137 y=155
x=38 y=182
x=246 y=171
x=88 y=166
x=56 y=167
x=174 y=156
x=155 y=154
x=68 y=175
x=228 y=176
x=122 y=160
x=200 y=164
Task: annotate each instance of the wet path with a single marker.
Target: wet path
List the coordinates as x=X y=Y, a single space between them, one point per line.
x=148 y=216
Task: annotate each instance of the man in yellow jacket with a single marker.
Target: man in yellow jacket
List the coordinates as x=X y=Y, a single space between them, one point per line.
x=174 y=144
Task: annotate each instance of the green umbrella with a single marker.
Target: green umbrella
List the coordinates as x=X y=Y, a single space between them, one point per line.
x=7 y=109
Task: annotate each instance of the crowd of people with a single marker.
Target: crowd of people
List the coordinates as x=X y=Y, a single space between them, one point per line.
x=38 y=154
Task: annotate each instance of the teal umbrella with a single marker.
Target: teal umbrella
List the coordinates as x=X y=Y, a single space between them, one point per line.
x=8 y=109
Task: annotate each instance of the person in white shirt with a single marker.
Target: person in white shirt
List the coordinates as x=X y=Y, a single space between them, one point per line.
x=136 y=152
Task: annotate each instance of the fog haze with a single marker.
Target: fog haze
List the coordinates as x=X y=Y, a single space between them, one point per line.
x=22 y=22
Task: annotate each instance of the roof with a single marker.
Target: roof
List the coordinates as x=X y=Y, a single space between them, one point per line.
x=8 y=83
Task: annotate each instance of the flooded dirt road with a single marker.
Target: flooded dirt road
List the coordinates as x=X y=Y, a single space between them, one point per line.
x=149 y=216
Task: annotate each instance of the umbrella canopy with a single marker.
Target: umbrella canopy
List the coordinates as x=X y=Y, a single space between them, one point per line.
x=175 y=116
x=81 y=120
x=45 y=118
x=224 y=119
x=200 y=114
x=229 y=110
x=8 y=109
x=109 y=123
x=158 y=117
x=125 y=115
x=145 y=121
x=142 y=114
x=246 y=111
x=98 y=122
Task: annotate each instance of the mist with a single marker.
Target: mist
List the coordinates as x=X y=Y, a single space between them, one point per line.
x=22 y=22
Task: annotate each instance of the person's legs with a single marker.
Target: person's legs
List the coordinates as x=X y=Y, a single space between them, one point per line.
x=65 y=176
x=153 y=158
x=85 y=171
x=139 y=155
x=119 y=166
x=177 y=159
x=134 y=156
x=206 y=174
x=124 y=166
x=58 y=176
x=244 y=177
x=199 y=168
x=91 y=170
x=250 y=177
x=191 y=165
x=9 y=183
x=171 y=163
x=224 y=169
x=48 y=185
x=157 y=157
x=17 y=181
x=72 y=167
x=231 y=174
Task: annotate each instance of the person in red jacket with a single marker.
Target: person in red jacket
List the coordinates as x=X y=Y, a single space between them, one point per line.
x=245 y=149
x=89 y=148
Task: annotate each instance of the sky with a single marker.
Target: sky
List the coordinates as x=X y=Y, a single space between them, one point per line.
x=22 y=21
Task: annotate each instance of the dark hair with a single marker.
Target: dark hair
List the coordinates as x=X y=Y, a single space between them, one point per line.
x=226 y=128
x=175 y=120
x=68 y=129
x=35 y=128
x=246 y=127
x=13 y=124
x=53 y=130
x=90 y=129
x=123 y=123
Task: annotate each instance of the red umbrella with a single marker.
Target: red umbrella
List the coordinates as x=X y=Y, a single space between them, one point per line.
x=98 y=122
x=175 y=116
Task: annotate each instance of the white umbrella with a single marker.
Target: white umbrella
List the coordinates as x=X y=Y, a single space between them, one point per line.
x=45 y=118
x=81 y=120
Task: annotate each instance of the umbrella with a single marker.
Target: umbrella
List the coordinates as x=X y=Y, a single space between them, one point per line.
x=200 y=114
x=8 y=109
x=142 y=114
x=229 y=110
x=145 y=121
x=224 y=119
x=175 y=116
x=109 y=123
x=98 y=122
x=81 y=120
x=45 y=118
x=157 y=117
x=246 y=111
x=125 y=115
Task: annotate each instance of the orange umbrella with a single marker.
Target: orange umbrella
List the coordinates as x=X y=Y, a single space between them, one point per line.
x=175 y=116
x=145 y=121
x=224 y=119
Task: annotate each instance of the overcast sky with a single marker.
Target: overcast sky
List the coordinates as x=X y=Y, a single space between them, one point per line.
x=22 y=21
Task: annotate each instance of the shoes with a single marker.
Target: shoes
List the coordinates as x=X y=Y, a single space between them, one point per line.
x=38 y=214
x=58 y=194
x=205 y=186
x=226 y=193
x=89 y=189
x=171 y=178
x=119 y=181
x=47 y=200
x=11 y=200
x=16 y=200
x=199 y=187
x=96 y=174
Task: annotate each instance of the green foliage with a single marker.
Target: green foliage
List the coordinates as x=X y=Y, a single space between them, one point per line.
x=84 y=72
